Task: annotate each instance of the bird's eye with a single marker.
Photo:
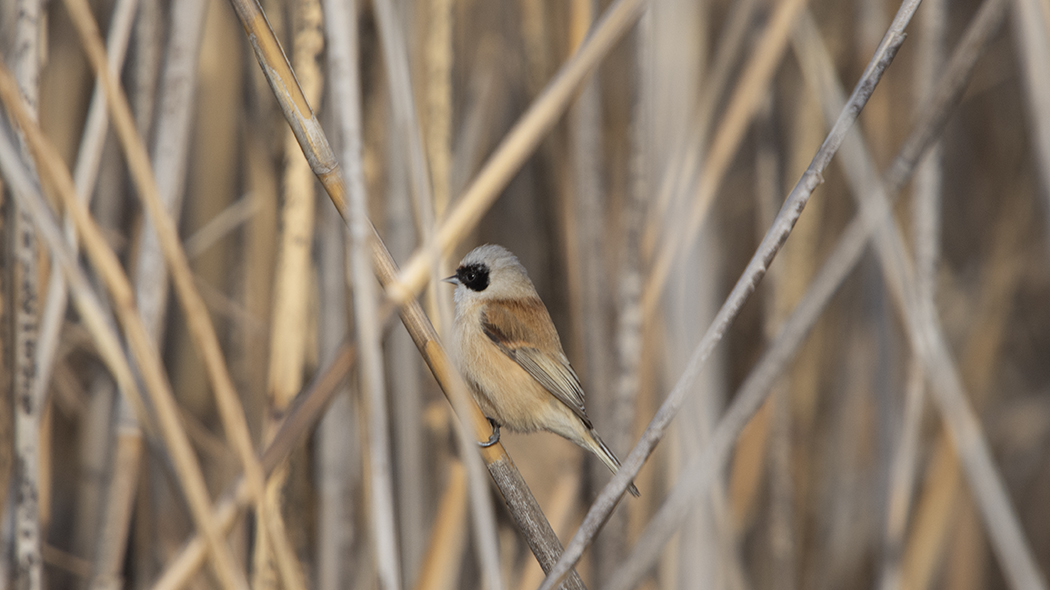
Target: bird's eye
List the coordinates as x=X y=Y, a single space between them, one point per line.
x=475 y=277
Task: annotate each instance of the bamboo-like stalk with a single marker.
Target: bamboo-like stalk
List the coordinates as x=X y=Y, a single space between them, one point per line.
x=7 y=212
x=260 y=246
x=148 y=51
x=26 y=292
x=521 y=503
x=439 y=61
x=147 y=357
x=756 y=268
x=90 y=308
x=291 y=284
x=27 y=414
x=413 y=453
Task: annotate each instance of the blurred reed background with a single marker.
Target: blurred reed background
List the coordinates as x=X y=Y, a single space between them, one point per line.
x=634 y=216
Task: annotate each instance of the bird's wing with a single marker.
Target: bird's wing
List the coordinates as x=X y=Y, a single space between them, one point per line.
x=523 y=330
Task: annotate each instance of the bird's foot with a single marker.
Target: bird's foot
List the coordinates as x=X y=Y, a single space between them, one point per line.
x=492 y=439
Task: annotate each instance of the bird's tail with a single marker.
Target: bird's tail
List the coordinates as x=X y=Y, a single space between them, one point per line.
x=608 y=458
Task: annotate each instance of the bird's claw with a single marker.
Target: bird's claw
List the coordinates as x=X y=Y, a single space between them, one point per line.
x=494 y=438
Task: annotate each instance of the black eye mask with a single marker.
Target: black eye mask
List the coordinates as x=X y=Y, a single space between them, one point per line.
x=474 y=276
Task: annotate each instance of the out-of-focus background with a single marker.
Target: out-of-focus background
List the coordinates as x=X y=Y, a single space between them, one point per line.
x=634 y=217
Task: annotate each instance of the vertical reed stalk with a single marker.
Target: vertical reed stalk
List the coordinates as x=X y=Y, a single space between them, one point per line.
x=26 y=293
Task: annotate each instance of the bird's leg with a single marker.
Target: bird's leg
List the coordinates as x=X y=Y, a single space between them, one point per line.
x=495 y=435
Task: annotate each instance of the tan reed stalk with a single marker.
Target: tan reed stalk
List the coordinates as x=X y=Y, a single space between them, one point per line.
x=443 y=559
x=273 y=555
x=966 y=566
x=260 y=246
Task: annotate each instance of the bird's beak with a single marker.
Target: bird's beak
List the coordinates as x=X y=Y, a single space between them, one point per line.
x=452 y=279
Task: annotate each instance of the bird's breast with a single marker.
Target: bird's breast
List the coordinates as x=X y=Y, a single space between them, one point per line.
x=505 y=392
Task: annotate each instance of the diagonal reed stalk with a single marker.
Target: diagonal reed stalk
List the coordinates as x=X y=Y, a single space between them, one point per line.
x=520 y=501
x=745 y=286
x=874 y=218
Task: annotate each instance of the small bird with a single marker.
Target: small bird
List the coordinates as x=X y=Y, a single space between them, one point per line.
x=508 y=350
